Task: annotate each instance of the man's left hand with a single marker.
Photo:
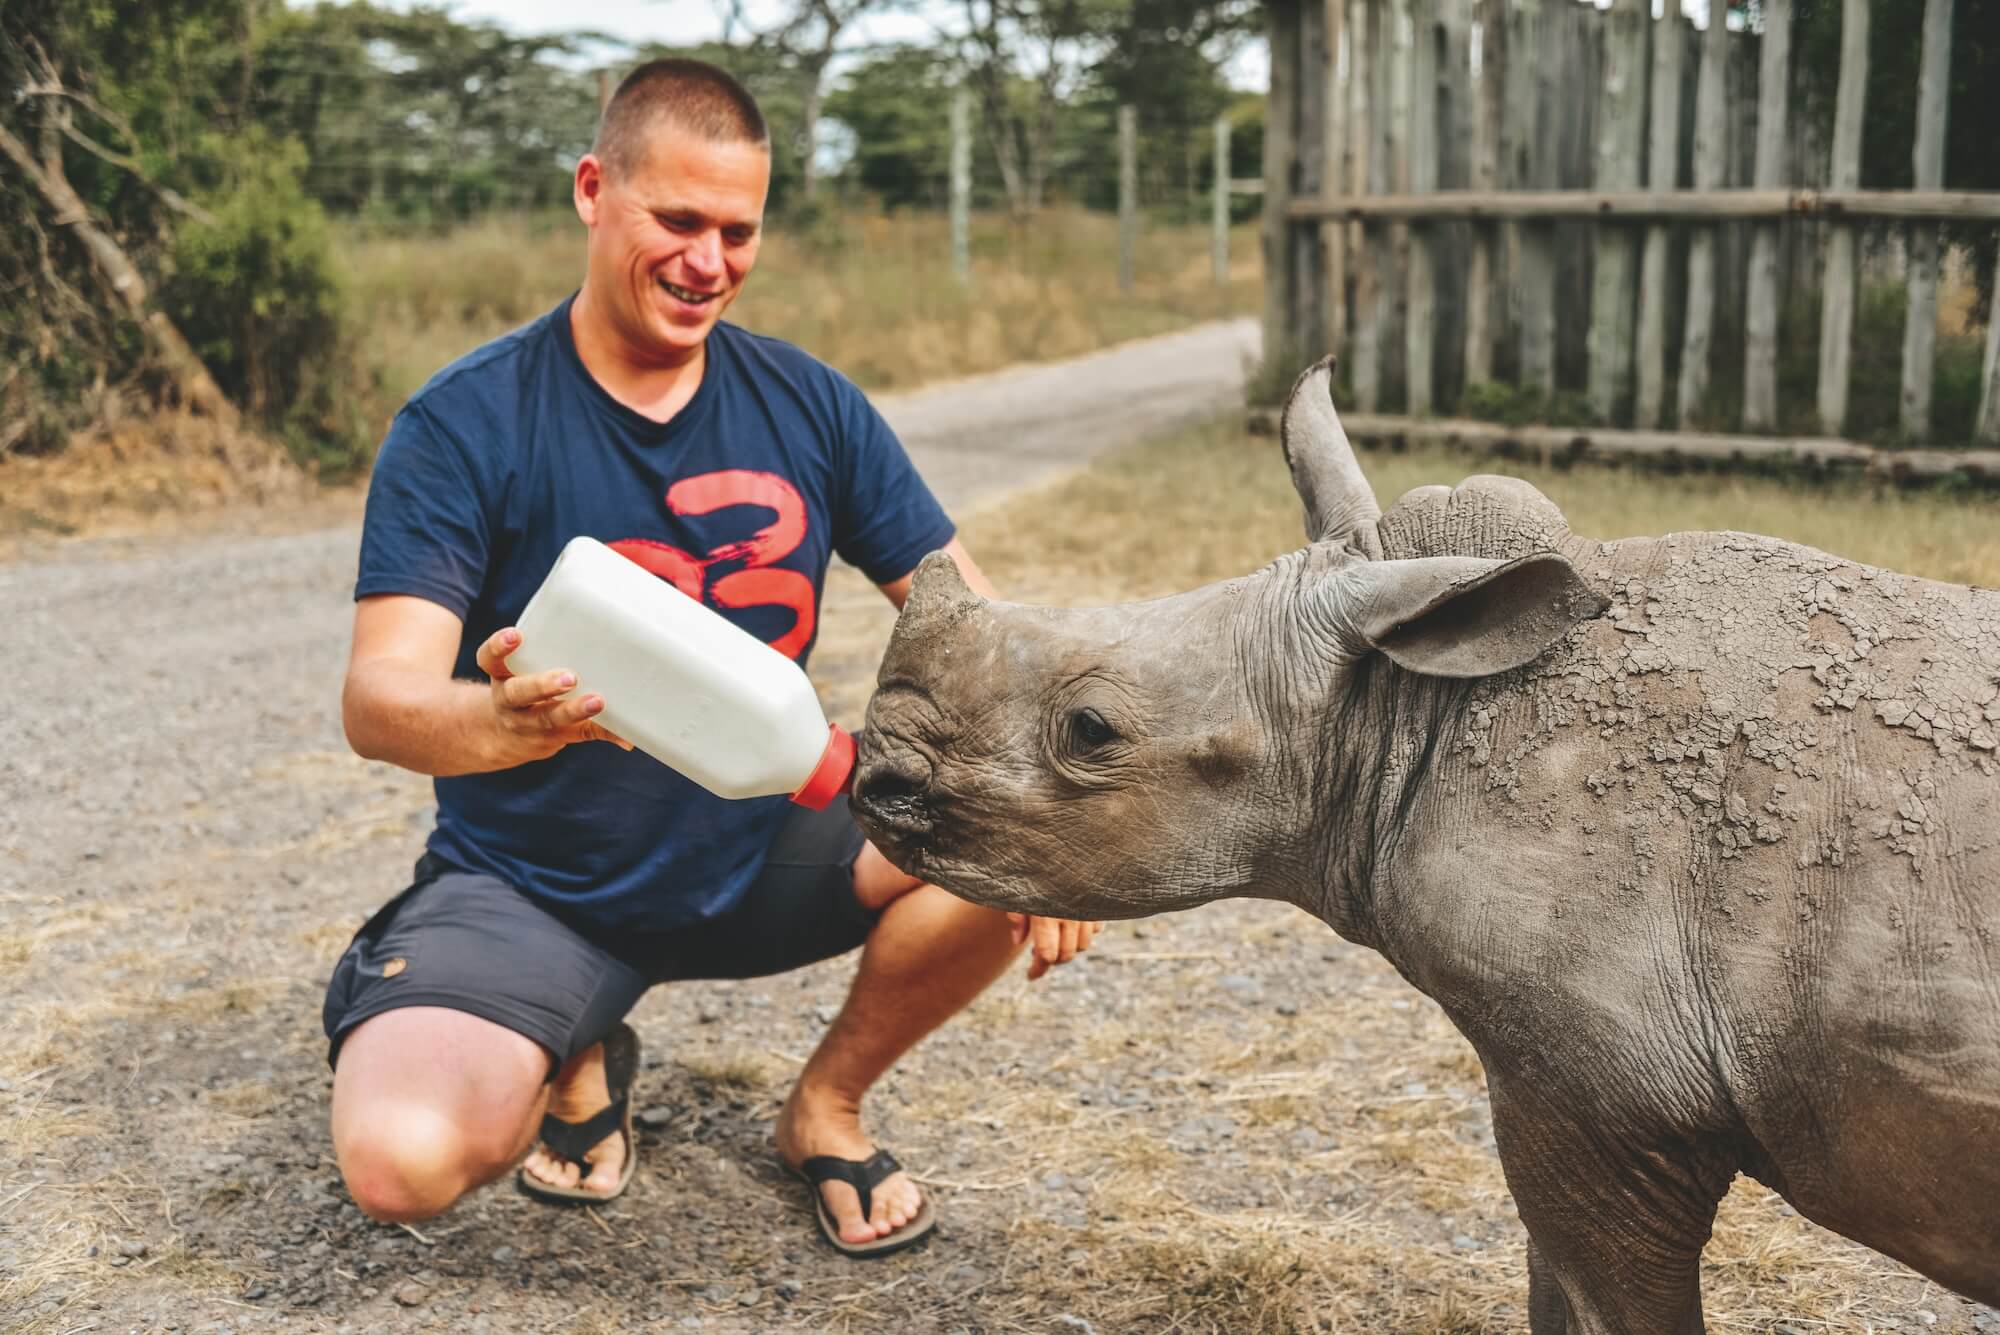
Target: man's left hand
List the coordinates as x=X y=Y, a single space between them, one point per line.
x=1054 y=940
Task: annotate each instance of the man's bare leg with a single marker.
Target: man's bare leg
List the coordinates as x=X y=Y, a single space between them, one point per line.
x=928 y=957
x=429 y=1103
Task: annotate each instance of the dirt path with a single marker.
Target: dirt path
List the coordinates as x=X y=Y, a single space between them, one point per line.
x=1226 y=1120
x=185 y=843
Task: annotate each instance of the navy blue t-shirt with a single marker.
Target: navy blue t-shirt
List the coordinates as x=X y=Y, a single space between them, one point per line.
x=741 y=499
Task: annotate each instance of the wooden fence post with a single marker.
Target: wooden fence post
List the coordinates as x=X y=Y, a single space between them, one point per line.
x=1662 y=166
x=1534 y=168
x=1927 y=159
x=1393 y=141
x=1711 y=163
x=1218 y=257
x=1370 y=88
x=1620 y=138
x=1760 y=316
x=1128 y=193
x=1309 y=157
x=1281 y=113
x=1420 y=324
x=1333 y=174
x=1836 y=316
x=1489 y=76
x=1355 y=237
x=1987 y=428
x=961 y=185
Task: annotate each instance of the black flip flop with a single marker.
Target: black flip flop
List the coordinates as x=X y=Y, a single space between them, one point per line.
x=864 y=1175
x=571 y=1141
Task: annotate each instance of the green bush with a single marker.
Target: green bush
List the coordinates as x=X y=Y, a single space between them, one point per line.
x=257 y=294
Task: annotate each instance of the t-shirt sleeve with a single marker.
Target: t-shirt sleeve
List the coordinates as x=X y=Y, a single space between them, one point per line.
x=887 y=519
x=426 y=530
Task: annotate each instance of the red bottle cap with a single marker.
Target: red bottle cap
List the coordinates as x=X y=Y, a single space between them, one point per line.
x=830 y=777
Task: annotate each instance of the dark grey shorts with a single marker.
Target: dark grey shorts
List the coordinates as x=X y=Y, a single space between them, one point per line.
x=473 y=943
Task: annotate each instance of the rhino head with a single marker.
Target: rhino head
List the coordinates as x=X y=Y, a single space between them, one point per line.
x=1235 y=740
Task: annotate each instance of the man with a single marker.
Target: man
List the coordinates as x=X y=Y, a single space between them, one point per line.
x=568 y=873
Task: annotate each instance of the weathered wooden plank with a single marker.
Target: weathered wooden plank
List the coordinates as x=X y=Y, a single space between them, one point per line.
x=1711 y=157
x=1308 y=166
x=1987 y=427
x=1662 y=164
x=1356 y=238
x=1620 y=141
x=1333 y=174
x=1365 y=133
x=1836 y=316
x=1396 y=158
x=1760 y=319
x=1281 y=348
x=1646 y=206
x=1489 y=76
x=1530 y=50
x=1927 y=160
x=1707 y=449
x=1418 y=350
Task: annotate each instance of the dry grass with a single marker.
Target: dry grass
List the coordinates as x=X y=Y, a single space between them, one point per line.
x=871 y=294
x=1214 y=503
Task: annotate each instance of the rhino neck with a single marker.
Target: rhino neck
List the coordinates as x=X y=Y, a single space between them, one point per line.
x=1375 y=752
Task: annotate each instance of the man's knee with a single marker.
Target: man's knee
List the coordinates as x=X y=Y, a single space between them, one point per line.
x=409 y=1162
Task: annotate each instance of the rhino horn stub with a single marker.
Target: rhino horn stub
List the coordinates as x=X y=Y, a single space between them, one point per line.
x=938 y=592
x=1340 y=505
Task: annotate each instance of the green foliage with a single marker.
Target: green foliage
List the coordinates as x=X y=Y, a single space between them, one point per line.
x=255 y=292
x=1521 y=405
x=897 y=105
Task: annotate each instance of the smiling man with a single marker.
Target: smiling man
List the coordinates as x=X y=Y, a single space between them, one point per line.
x=479 y=1014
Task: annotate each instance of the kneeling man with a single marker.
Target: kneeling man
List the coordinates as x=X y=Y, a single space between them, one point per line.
x=481 y=1011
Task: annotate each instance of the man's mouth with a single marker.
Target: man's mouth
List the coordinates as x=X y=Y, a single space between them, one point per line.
x=688 y=294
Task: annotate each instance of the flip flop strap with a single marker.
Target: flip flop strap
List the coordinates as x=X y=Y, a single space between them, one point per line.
x=863 y=1175
x=573 y=1140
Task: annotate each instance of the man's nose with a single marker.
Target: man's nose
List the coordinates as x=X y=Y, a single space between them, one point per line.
x=704 y=255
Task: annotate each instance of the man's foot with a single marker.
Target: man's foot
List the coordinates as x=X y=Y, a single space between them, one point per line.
x=815 y=1123
x=580 y=1092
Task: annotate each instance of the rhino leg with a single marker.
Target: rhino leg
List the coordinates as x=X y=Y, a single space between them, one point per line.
x=1615 y=1224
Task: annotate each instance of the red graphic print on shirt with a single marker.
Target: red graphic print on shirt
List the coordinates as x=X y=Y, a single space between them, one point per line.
x=756 y=584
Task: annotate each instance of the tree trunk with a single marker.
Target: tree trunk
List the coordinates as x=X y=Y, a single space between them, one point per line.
x=122 y=283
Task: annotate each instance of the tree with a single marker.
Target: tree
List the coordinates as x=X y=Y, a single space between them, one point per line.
x=902 y=151
x=810 y=38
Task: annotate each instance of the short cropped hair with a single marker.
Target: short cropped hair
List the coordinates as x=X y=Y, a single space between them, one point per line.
x=691 y=95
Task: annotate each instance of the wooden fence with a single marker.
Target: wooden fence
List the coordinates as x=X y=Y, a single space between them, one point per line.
x=1549 y=195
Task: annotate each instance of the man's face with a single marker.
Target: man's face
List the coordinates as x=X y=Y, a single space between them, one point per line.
x=672 y=238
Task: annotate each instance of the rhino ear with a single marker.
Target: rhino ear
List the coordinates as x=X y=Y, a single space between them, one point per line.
x=1460 y=616
x=1340 y=505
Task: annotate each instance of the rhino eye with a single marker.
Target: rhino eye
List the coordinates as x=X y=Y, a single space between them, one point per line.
x=1090 y=728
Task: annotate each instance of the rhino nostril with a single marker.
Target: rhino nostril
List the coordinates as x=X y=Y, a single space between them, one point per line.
x=891 y=794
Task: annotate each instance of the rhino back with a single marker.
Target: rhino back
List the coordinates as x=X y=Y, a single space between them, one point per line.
x=1751 y=822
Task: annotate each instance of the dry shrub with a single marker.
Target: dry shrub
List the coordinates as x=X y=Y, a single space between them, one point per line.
x=140 y=467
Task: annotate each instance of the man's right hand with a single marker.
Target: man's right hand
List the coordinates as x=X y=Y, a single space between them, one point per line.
x=531 y=713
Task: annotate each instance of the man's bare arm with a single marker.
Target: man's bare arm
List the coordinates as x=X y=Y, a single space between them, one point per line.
x=401 y=704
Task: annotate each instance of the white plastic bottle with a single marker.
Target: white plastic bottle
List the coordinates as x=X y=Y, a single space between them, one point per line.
x=684 y=685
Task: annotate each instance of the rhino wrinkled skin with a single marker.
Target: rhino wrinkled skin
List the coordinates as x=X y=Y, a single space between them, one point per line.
x=1695 y=838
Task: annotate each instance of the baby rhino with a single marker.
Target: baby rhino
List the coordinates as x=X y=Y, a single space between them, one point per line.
x=1696 y=838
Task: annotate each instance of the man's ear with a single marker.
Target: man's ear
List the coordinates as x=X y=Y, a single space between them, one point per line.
x=1458 y=616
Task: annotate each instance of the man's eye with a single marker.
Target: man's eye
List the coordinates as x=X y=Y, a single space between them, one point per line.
x=739 y=236
x=1090 y=728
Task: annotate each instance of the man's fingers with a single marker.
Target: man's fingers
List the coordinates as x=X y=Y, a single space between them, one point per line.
x=566 y=715
x=1066 y=946
x=597 y=732
x=526 y=692
x=492 y=655
x=1017 y=927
